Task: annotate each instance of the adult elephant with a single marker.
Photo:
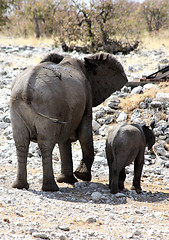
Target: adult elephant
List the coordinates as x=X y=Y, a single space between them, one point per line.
x=52 y=103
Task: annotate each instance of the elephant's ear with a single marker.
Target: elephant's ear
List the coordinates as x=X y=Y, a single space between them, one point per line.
x=53 y=57
x=106 y=76
x=90 y=64
x=149 y=135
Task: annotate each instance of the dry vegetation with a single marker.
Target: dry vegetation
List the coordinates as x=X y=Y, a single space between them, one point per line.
x=29 y=41
x=156 y=40
x=148 y=41
x=111 y=26
x=132 y=102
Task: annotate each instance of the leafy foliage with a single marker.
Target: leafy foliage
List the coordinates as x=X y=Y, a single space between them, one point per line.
x=109 y=25
x=4 y=8
x=155 y=13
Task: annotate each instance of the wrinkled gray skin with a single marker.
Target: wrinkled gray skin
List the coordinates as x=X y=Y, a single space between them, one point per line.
x=52 y=103
x=125 y=144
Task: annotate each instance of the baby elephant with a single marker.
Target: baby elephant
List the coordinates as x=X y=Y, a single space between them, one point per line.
x=126 y=143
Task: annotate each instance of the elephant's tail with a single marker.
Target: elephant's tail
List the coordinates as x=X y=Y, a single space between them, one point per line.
x=55 y=120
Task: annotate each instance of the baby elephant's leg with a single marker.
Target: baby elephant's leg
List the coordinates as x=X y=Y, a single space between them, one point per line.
x=122 y=177
x=138 y=166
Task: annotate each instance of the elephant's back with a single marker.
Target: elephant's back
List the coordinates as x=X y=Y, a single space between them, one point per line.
x=126 y=136
x=51 y=90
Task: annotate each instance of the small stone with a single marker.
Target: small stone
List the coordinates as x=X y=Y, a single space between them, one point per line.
x=136 y=114
x=136 y=233
x=131 y=69
x=100 y=114
x=164 y=97
x=137 y=90
x=64 y=228
x=143 y=105
x=91 y=220
x=156 y=104
x=3 y=73
x=119 y=195
x=40 y=235
x=62 y=237
x=80 y=185
x=96 y=196
x=95 y=125
x=164 y=60
x=3 y=125
x=103 y=130
x=122 y=117
x=148 y=86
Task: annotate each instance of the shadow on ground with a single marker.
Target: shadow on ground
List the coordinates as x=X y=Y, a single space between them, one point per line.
x=83 y=193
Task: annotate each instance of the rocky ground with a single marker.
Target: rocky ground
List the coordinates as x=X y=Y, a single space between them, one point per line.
x=88 y=210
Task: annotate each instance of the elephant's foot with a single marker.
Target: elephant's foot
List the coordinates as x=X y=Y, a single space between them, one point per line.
x=114 y=190
x=50 y=187
x=66 y=179
x=83 y=173
x=20 y=184
x=138 y=190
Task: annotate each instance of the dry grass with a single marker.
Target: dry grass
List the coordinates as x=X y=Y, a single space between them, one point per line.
x=149 y=41
x=131 y=102
x=30 y=41
x=156 y=40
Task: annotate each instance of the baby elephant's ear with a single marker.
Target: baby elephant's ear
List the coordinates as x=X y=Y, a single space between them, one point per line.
x=149 y=135
x=152 y=124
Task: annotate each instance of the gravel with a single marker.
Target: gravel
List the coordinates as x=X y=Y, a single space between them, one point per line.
x=86 y=210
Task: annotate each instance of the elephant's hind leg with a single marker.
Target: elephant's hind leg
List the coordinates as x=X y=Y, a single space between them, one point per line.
x=22 y=140
x=46 y=147
x=138 y=166
x=66 y=163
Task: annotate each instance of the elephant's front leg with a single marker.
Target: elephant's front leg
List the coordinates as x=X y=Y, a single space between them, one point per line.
x=122 y=177
x=66 y=163
x=85 y=137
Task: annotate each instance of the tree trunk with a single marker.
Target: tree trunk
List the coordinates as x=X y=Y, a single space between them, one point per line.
x=37 y=29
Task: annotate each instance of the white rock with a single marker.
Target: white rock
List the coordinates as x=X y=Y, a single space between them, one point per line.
x=162 y=97
x=64 y=228
x=96 y=196
x=95 y=125
x=103 y=130
x=137 y=90
x=3 y=125
x=148 y=86
x=122 y=117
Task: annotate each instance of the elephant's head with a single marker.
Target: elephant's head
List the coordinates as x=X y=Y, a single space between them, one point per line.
x=106 y=75
x=149 y=135
x=104 y=72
